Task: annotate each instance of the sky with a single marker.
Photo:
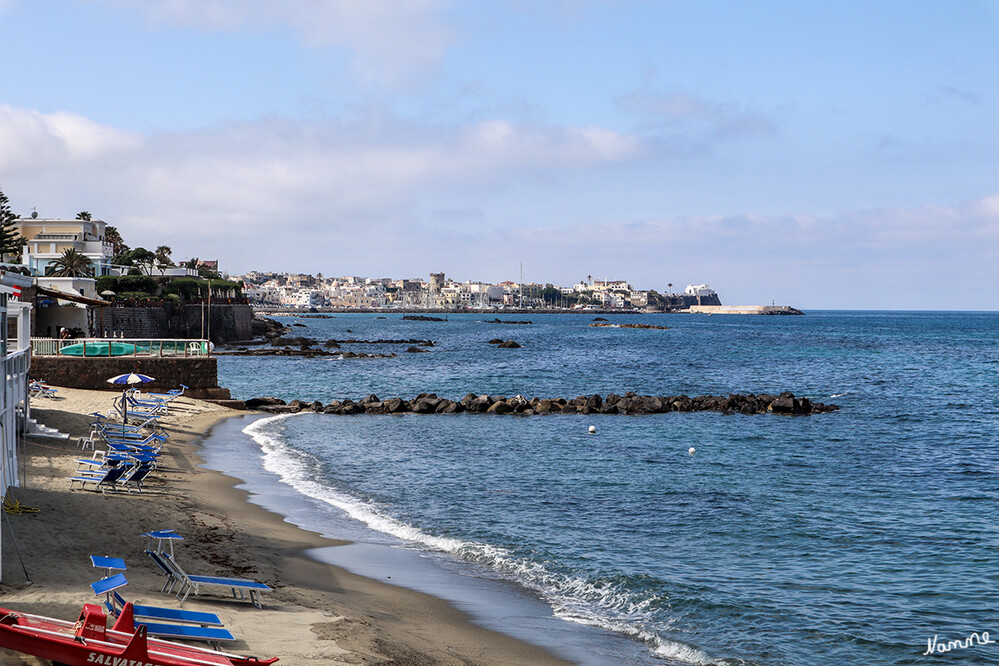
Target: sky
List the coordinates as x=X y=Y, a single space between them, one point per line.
x=824 y=155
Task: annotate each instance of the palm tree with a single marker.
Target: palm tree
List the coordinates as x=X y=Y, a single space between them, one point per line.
x=163 y=255
x=72 y=264
x=112 y=236
x=669 y=285
x=83 y=215
x=590 y=278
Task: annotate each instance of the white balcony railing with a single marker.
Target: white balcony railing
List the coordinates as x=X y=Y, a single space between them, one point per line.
x=94 y=347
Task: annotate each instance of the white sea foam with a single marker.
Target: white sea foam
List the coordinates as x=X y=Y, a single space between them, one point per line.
x=603 y=604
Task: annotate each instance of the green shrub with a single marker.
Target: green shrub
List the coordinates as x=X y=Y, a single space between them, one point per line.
x=188 y=288
x=127 y=283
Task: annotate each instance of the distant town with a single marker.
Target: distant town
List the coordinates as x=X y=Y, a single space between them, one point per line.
x=298 y=291
x=82 y=266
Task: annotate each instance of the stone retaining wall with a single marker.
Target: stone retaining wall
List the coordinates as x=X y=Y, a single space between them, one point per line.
x=228 y=322
x=199 y=373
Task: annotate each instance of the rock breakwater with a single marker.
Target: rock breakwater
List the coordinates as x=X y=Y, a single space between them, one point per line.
x=649 y=326
x=630 y=403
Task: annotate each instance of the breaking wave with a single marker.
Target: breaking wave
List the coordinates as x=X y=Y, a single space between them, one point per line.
x=607 y=603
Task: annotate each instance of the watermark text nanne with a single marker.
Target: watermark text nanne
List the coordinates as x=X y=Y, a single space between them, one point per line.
x=934 y=646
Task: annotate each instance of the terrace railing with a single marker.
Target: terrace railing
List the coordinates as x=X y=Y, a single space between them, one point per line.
x=91 y=347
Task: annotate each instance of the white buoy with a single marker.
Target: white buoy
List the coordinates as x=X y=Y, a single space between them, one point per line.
x=691 y=451
x=593 y=430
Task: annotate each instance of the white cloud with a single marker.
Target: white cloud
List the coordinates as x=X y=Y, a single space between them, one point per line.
x=986 y=207
x=393 y=42
x=31 y=139
x=244 y=176
x=366 y=197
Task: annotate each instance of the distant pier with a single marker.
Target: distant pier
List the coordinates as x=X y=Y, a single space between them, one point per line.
x=745 y=309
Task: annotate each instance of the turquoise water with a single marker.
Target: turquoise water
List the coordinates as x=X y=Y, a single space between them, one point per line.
x=845 y=538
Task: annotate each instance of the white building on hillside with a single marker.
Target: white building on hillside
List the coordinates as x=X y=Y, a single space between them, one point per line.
x=49 y=238
x=699 y=290
x=610 y=285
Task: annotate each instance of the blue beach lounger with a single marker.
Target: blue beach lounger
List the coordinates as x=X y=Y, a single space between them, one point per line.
x=39 y=389
x=179 y=615
x=190 y=625
x=134 y=479
x=102 y=479
x=185 y=584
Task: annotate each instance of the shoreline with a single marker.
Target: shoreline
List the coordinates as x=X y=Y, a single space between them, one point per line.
x=318 y=613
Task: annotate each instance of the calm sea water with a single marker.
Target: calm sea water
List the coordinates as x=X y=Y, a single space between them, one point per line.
x=847 y=538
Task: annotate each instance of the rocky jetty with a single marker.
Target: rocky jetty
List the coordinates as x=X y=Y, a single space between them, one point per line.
x=501 y=321
x=306 y=352
x=281 y=344
x=282 y=341
x=650 y=326
x=422 y=318
x=352 y=341
x=629 y=403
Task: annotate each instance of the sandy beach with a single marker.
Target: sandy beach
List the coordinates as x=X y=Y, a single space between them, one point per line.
x=317 y=614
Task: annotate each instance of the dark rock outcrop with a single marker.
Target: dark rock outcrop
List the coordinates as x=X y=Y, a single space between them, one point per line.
x=422 y=318
x=257 y=403
x=649 y=326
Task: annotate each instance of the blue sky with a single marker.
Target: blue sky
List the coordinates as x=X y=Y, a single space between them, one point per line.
x=816 y=154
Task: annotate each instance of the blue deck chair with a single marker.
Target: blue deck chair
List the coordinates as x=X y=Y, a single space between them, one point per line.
x=240 y=588
x=131 y=432
x=115 y=603
x=149 y=404
x=127 y=618
x=127 y=449
x=134 y=479
x=178 y=615
x=39 y=389
x=147 y=407
x=103 y=479
x=117 y=426
x=171 y=581
x=172 y=394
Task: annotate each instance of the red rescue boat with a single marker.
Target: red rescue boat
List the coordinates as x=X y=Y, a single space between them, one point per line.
x=89 y=641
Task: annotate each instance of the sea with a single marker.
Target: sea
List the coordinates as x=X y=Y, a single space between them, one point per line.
x=864 y=536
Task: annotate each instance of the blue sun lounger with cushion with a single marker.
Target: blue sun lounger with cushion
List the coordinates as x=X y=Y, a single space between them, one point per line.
x=102 y=478
x=133 y=480
x=182 y=624
x=185 y=583
x=39 y=389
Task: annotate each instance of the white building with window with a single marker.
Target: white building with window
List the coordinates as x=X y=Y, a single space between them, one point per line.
x=701 y=290
x=48 y=238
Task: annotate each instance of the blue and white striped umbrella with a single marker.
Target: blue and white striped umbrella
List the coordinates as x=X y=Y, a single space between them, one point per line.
x=130 y=378
x=125 y=380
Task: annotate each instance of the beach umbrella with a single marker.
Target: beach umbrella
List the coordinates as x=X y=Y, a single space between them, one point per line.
x=127 y=380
